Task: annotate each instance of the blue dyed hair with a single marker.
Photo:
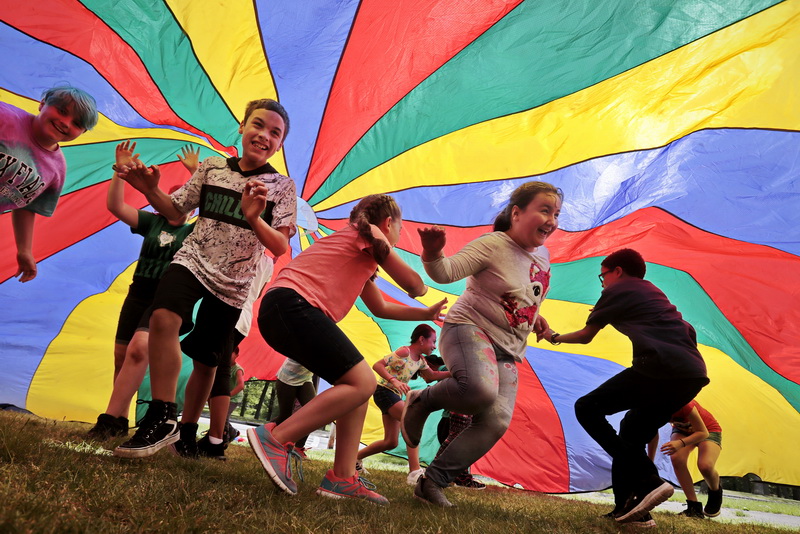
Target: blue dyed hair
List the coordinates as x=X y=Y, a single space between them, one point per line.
x=84 y=105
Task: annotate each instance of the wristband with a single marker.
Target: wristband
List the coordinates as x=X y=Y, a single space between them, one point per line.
x=553 y=339
x=684 y=443
x=115 y=168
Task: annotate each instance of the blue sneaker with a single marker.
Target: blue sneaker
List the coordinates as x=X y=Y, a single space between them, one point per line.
x=274 y=457
x=348 y=488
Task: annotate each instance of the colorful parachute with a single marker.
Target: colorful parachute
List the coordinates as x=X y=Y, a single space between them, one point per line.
x=672 y=128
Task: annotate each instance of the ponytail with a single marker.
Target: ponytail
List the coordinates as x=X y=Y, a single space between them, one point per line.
x=373 y=209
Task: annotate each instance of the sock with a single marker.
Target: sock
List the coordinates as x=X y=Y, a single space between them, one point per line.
x=213 y=440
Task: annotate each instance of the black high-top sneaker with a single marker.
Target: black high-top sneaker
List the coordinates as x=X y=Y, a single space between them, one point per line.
x=157 y=429
x=186 y=446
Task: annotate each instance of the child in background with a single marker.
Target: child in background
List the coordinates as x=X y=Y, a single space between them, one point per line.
x=693 y=427
x=295 y=384
x=32 y=165
x=395 y=370
x=162 y=239
x=486 y=331
x=237 y=394
x=245 y=207
x=311 y=294
x=667 y=372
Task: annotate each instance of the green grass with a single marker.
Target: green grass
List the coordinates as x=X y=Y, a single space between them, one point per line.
x=51 y=481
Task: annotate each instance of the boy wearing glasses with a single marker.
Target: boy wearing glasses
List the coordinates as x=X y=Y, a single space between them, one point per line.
x=667 y=373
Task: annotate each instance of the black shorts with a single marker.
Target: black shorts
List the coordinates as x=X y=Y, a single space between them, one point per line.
x=139 y=298
x=302 y=332
x=208 y=343
x=385 y=398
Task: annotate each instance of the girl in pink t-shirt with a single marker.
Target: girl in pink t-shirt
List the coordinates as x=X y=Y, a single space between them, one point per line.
x=693 y=427
x=298 y=317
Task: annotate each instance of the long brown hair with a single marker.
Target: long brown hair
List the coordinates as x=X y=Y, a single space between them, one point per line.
x=373 y=209
x=521 y=197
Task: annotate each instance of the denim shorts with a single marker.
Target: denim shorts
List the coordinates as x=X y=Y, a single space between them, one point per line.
x=385 y=398
x=302 y=332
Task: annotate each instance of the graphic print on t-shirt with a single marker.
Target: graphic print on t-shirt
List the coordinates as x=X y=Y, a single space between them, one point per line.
x=540 y=280
x=222 y=204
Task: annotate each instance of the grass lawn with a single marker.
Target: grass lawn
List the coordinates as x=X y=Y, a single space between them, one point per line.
x=52 y=481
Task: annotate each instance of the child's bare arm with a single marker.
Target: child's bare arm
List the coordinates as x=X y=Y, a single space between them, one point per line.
x=699 y=433
x=429 y=375
x=374 y=300
x=146 y=179
x=115 y=200
x=22 y=221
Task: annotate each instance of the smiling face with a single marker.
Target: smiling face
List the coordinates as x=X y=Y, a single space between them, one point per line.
x=262 y=137
x=428 y=344
x=533 y=224
x=56 y=124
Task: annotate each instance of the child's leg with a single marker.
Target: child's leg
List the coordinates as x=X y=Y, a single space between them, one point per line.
x=391 y=428
x=198 y=388
x=130 y=376
x=484 y=384
x=680 y=461
x=119 y=358
x=165 y=354
x=707 y=456
x=305 y=393
x=286 y=396
x=348 y=394
x=218 y=410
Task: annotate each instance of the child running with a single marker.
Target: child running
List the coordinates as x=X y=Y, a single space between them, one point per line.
x=693 y=427
x=311 y=294
x=395 y=370
x=162 y=239
x=32 y=165
x=486 y=331
x=245 y=207
x=667 y=373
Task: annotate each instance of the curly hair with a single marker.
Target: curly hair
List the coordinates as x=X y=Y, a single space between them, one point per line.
x=373 y=209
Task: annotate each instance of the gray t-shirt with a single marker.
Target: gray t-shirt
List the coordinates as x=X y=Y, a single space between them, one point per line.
x=506 y=286
x=223 y=250
x=664 y=345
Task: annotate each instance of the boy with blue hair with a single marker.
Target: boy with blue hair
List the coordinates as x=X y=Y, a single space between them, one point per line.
x=32 y=165
x=245 y=206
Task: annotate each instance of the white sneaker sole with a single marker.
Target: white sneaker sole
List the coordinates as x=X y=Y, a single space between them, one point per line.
x=144 y=452
x=650 y=501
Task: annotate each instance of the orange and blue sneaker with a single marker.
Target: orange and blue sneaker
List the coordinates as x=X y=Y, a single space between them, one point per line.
x=274 y=456
x=348 y=488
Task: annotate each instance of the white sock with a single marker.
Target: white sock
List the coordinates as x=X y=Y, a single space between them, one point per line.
x=213 y=440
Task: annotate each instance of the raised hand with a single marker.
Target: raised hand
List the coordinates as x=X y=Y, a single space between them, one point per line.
x=433 y=240
x=124 y=153
x=141 y=177
x=436 y=311
x=190 y=158
x=254 y=199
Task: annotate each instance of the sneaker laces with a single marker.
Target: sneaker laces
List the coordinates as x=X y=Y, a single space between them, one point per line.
x=367 y=484
x=298 y=464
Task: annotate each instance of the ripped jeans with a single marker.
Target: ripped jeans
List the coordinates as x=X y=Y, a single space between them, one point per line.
x=483 y=384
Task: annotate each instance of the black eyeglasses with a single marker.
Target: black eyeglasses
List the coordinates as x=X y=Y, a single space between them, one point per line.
x=602 y=276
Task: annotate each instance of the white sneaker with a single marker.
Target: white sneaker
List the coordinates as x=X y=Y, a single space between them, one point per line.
x=413 y=476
